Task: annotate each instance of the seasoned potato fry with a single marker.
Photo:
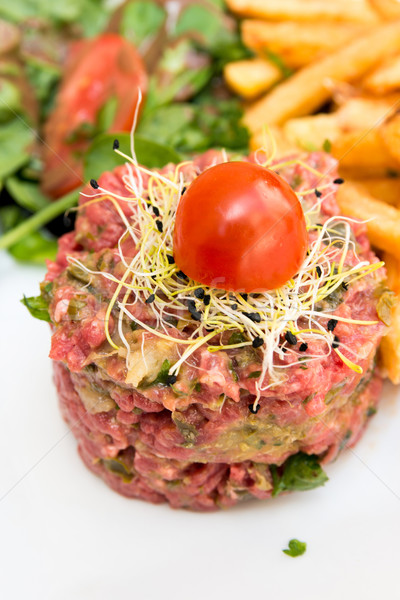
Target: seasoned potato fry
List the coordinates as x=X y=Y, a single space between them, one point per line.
x=383 y=220
x=362 y=113
x=297 y=44
x=386 y=78
x=386 y=189
x=389 y=350
x=366 y=152
x=356 y=115
x=391 y=136
x=390 y=346
x=300 y=10
x=389 y=9
x=393 y=271
x=307 y=89
x=310 y=133
x=249 y=78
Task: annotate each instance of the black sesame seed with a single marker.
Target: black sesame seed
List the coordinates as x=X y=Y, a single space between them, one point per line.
x=150 y=299
x=332 y=324
x=159 y=225
x=335 y=342
x=191 y=305
x=338 y=181
x=255 y=317
x=284 y=350
x=303 y=347
x=244 y=296
x=254 y=409
x=181 y=275
x=257 y=342
x=183 y=190
x=171 y=379
x=207 y=299
x=170 y=259
x=345 y=285
x=199 y=293
x=156 y=211
x=94 y=184
x=319 y=270
x=319 y=224
x=196 y=315
x=290 y=338
x=318 y=193
x=234 y=306
x=115 y=144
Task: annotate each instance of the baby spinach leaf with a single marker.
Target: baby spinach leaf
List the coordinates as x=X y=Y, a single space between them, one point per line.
x=299 y=472
x=100 y=157
x=141 y=20
x=181 y=73
x=15 y=139
x=213 y=31
x=10 y=216
x=34 y=248
x=10 y=100
x=26 y=194
x=38 y=307
x=296 y=548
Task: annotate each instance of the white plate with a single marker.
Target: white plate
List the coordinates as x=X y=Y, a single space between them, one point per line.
x=65 y=535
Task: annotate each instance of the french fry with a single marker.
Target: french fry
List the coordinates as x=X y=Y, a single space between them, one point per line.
x=393 y=272
x=250 y=78
x=300 y=10
x=386 y=189
x=355 y=115
x=363 y=113
x=297 y=44
x=390 y=346
x=389 y=9
x=391 y=136
x=383 y=221
x=310 y=133
x=389 y=350
x=365 y=152
x=307 y=89
x=384 y=79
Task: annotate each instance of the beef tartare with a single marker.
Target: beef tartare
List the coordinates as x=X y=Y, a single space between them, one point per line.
x=199 y=396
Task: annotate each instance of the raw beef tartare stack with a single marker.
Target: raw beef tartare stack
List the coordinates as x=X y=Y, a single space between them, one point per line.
x=184 y=391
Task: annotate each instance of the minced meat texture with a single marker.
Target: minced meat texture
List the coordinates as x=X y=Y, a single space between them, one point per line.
x=195 y=440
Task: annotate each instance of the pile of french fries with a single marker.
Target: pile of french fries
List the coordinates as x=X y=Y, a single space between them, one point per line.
x=326 y=76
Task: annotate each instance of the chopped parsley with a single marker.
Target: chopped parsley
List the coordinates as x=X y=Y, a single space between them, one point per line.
x=296 y=548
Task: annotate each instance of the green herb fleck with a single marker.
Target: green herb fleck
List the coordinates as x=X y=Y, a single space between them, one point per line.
x=299 y=472
x=296 y=548
x=254 y=375
x=236 y=338
x=327 y=146
x=38 y=307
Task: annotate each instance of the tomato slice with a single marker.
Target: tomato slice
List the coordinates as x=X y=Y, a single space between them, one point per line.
x=104 y=69
x=240 y=227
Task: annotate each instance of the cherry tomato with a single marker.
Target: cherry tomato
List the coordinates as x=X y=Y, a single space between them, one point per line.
x=99 y=70
x=240 y=227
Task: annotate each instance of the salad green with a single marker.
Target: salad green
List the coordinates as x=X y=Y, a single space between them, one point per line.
x=187 y=109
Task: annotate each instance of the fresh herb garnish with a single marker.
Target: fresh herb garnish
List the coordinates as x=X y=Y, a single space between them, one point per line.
x=299 y=472
x=38 y=307
x=296 y=548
